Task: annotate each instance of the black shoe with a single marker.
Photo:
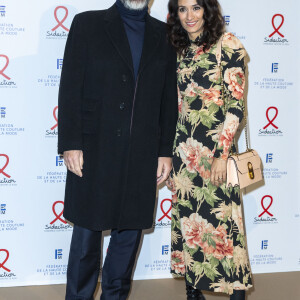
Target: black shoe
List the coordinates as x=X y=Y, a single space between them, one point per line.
x=193 y=294
x=238 y=295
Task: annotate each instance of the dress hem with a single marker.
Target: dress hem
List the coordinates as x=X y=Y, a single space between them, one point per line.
x=175 y=275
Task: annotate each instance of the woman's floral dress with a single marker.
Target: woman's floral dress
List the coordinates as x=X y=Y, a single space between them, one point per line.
x=208 y=238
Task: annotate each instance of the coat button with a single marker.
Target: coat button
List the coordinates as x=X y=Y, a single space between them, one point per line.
x=124 y=78
x=119 y=132
x=122 y=106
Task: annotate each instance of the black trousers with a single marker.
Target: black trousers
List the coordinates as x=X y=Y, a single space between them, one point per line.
x=84 y=264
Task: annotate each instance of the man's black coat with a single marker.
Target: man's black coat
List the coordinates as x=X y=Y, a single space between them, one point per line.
x=122 y=126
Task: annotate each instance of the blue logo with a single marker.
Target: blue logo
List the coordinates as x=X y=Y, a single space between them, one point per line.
x=165 y=250
x=59 y=161
x=59 y=63
x=58 y=254
x=275 y=67
x=2 y=112
x=3 y=209
x=269 y=158
x=227 y=19
x=2 y=11
x=264 y=244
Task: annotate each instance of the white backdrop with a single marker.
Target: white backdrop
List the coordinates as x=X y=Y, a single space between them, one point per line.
x=34 y=238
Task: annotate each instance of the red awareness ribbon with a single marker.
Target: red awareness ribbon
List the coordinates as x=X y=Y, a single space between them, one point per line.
x=263 y=206
x=60 y=23
x=165 y=214
x=5 y=260
x=55 y=117
x=58 y=217
x=4 y=68
x=277 y=28
x=5 y=165
x=271 y=121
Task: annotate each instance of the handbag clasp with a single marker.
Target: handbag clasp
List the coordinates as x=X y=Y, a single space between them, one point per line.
x=250 y=170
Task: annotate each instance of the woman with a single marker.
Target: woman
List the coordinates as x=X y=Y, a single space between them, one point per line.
x=208 y=239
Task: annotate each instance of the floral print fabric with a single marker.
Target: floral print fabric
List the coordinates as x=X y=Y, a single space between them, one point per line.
x=208 y=238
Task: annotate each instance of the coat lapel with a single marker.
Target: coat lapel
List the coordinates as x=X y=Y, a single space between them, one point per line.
x=151 y=41
x=117 y=34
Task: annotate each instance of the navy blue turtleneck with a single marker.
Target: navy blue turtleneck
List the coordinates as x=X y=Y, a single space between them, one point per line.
x=134 y=23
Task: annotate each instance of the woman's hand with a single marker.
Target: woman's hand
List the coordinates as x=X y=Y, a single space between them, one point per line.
x=218 y=171
x=170 y=184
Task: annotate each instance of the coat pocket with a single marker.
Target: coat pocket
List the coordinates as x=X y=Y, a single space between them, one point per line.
x=90 y=116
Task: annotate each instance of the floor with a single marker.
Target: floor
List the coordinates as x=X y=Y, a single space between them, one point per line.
x=276 y=286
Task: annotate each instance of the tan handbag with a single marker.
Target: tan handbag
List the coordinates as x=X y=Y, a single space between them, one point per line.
x=243 y=169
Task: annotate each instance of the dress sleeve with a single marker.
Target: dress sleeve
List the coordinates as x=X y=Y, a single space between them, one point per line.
x=70 y=90
x=233 y=62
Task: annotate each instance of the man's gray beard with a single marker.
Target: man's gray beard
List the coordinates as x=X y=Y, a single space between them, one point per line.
x=135 y=4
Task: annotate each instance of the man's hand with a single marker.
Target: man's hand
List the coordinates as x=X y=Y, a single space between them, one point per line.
x=164 y=168
x=218 y=171
x=74 y=161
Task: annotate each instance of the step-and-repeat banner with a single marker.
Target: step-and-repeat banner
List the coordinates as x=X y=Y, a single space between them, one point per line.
x=35 y=238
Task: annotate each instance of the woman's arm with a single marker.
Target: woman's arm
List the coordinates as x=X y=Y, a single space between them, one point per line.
x=234 y=85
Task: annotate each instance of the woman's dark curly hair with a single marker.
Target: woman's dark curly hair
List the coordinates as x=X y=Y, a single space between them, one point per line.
x=214 y=26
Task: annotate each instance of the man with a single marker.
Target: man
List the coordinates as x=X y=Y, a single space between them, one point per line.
x=117 y=119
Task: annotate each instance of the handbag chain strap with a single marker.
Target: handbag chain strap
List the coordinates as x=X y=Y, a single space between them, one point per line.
x=219 y=61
